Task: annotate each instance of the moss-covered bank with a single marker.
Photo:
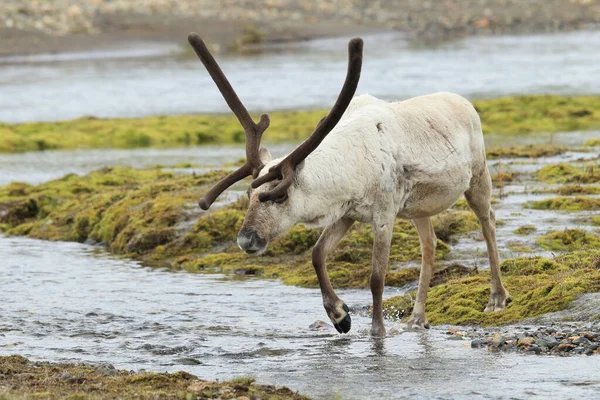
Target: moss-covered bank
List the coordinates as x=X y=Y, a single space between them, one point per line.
x=507 y=115
x=577 y=203
x=24 y=379
x=537 y=286
x=569 y=240
x=567 y=173
x=152 y=215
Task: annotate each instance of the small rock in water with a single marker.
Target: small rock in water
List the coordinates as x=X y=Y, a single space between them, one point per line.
x=497 y=341
x=319 y=325
x=187 y=361
x=478 y=343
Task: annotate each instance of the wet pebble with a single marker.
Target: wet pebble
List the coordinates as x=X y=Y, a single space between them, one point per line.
x=187 y=361
x=319 y=325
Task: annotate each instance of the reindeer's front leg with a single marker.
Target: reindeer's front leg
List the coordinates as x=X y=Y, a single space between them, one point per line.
x=382 y=239
x=428 y=243
x=335 y=308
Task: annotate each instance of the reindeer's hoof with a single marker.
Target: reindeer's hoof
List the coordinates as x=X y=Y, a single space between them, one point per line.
x=417 y=321
x=498 y=302
x=343 y=323
x=378 y=330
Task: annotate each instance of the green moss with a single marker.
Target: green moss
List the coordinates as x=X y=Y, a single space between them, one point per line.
x=566 y=173
x=537 y=286
x=539 y=113
x=592 y=142
x=569 y=190
x=528 y=151
x=24 y=379
x=451 y=223
x=152 y=215
x=507 y=115
x=569 y=240
x=578 y=203
x=160 y=131
x=518 y=247
x=596 y=220
x=525 y=230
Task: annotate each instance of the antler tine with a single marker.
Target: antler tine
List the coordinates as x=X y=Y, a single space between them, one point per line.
x=285 y=170
x=253 y=131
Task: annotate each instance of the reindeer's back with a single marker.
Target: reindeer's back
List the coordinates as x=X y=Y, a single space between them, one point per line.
x=431 y=142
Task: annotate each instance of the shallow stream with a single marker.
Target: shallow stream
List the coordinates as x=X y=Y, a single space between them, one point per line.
x=71 y=302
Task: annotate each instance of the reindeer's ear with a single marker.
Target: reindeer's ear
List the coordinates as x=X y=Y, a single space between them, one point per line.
x=264 y=155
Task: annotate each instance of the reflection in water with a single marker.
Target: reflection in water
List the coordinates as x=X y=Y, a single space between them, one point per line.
x=70 y=302
x=306 y=75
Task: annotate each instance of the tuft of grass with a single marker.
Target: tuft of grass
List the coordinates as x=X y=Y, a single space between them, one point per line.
x=578 y=203
x=525 y=230
x=569 y=190
x=527 y=151
x=592 y=142
x=451 y=223
x=537 y=286
x=566 y=173
x=569 y=240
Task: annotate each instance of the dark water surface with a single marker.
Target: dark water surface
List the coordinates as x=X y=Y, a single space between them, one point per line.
x=71 y=302
x=151 y=79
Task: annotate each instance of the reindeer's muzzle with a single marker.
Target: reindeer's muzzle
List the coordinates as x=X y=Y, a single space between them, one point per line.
x=250 y=242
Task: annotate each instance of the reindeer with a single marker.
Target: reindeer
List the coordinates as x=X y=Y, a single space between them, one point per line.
x=369 y=161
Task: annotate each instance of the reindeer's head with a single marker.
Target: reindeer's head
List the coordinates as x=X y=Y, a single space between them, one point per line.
x=273 y=194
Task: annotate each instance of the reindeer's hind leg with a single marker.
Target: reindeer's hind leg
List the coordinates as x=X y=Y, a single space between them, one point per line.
x=479 y=198
x=335 y=308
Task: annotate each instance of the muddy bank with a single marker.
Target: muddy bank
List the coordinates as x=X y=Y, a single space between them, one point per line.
x=35 y=26
x=21 y=378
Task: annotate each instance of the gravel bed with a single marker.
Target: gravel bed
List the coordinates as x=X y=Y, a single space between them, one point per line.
x=558 y=340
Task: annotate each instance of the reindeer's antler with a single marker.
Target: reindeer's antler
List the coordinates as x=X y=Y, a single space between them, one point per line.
x=285 y=170
x=253 y=131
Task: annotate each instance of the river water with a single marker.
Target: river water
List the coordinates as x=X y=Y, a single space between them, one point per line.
x=71 y=302
x=152 y=79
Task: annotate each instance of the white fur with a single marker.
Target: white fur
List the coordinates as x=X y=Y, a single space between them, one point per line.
x=423 y=152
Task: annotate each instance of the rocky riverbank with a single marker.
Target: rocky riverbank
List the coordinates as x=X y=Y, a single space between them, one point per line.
x=35 y=25
x=557 y=339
